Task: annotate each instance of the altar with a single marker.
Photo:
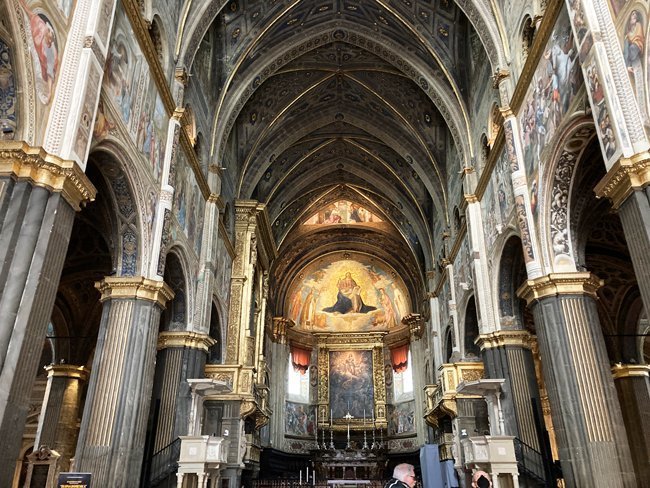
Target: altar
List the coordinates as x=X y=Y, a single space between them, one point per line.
x=345 y=467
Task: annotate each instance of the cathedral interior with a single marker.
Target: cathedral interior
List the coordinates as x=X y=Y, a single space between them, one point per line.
x=264 y=243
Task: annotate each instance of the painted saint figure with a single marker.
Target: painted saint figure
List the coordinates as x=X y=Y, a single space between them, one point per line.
x=633 y=46
x=348 y=298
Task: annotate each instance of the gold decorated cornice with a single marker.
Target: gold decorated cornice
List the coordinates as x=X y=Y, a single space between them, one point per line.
x=21 y=161
x=626 y=176
x=185 y=339
x=502 y=338
x=67 y=371
x=620 y=371
x=559 y=284
x=217 y=200
x=136 y=287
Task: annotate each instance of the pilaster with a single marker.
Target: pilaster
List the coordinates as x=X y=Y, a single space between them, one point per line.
x=181 y=356
x=593 y=445
x=60 y=412
x=633 y=387
x=112 y=436
x=39 y=194
x=507 y=354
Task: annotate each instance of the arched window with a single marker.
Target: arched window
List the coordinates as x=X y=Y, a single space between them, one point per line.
x=403 y=382
x=297 y=383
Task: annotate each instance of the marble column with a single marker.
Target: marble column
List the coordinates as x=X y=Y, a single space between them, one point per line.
x=60 y=412
x=591 y=437
x=181 y=356
x=112 y=435
x=633 y=387
x=507 y=354
x=39 y=194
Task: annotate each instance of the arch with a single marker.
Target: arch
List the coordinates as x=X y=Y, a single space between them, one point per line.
x=449 y=344
x=512 y=273
x=175 y=316
x=556 y=233
x=215 y=353
x=471 y=330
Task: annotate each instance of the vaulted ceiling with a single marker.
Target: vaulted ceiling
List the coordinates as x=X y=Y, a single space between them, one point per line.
x=319 y=101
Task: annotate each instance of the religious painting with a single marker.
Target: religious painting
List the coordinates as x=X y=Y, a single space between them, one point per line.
x=342 y=212
x=347 y=295
x=188 y=205
x=134 y=95
x=634 y=46
x=299 y=419
x=43 y=44
x=65 y=6
x=497 y=201
x=401 y=419
x=8 y=100
x=599 y=108
x=351 y=385
x=553 y=88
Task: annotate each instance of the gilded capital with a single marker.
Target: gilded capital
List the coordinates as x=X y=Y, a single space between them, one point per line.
x=67 y=371
x=20 y=161
x=502 y=338
x=185 y=339
x=620 y=371
x=136 y=287
x=559 y=284
x=626 y=176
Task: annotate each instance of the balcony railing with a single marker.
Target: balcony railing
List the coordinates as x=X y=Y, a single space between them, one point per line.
x=164 y=462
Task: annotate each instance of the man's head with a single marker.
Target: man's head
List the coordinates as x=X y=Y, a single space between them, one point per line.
x=481 y=479
x=405 y=473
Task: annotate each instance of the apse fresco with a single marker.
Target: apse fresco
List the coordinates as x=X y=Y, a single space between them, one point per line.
x=347 y=295
x=553 y=87
x=401 y=419
x=351 y=387
x=132 y=90
x=299 y=419
x=342 y=212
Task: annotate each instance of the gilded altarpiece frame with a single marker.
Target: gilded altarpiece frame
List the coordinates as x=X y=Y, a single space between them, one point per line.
x=363 y=343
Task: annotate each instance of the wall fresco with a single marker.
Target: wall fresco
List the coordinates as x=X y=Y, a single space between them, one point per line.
x=299 y=419
x=347 y=295
x=498 y=201
x=189 y=205
x=401 y=419
x=342 y=212
x=8 y=101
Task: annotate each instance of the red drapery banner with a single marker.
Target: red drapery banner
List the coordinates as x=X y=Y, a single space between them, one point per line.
x=300 y=359
x=399 y=357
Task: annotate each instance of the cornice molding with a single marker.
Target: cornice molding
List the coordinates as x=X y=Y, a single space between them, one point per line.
x=626 y=176
x=503 y=338
x=67 y=371
x=21 y=161
x=136 y=287
x=620 y=371
x=559 y=284
x=185 y=339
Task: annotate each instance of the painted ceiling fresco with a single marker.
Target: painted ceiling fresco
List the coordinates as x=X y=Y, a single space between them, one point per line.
x=347 y=295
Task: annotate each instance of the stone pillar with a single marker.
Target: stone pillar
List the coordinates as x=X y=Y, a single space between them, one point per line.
x=181 y=356
x=112 y=436
x=586 y=414
x=507 y=354
x=39 y=194
x=633 y=387
x=58 y=422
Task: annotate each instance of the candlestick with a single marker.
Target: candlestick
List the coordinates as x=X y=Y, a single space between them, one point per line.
x=331 y=416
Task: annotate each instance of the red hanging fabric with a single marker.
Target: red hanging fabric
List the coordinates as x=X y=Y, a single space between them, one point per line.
x=300 y=359
x=399 y=357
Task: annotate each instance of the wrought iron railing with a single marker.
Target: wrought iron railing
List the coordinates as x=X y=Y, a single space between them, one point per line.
x=164 y=462
x=531 y=462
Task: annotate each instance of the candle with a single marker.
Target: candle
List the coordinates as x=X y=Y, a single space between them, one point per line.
x=307 y=477
x=300 y=481
x=364 y=416
x=331 y=416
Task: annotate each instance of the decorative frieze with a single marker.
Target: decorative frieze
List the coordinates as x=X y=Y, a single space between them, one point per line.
x=560 y=284
x=626 y=176
x=185 y=339
x=135 y=287
x=503 y=338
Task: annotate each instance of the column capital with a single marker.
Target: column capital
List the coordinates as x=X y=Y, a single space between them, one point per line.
x=21 y=161
x=67 y=371
x=137 y=287
x=620 y=371
x=626 y=176
x=185 y=339
x=579 y=283
x=502 y=338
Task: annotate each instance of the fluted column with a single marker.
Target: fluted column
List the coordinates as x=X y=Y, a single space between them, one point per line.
x=39 y=194
x=507 y=354
x=181 y=356
x=591 y=437
x=633 y=387
x=58 y=422
x=112 y=436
